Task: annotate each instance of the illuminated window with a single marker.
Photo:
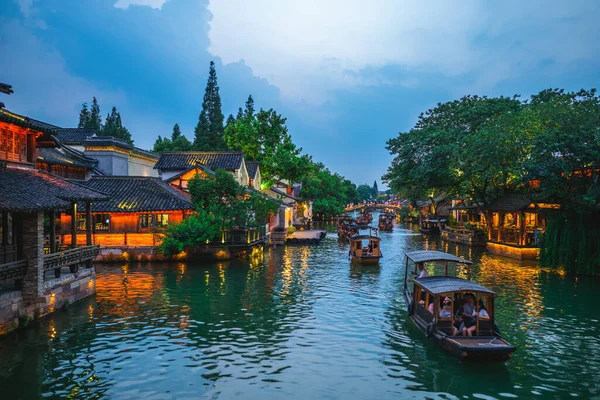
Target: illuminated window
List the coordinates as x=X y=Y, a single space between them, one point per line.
x=101 y=222
x=146 y=221
x=161 y=221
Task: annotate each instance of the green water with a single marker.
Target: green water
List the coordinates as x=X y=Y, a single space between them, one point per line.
x=301 y=323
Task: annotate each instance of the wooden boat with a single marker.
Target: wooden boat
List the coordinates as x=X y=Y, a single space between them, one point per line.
x=431 y=226
x=364 y=248
x=343 y=226
x=486 y=344
x=386 y=222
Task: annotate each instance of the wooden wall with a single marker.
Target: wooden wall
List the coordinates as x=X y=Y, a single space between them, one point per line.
x=122 y=222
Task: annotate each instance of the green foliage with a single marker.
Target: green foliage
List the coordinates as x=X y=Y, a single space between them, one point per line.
x=364 y=192
x=178 y=142
x=330 y=192
x=192 y=232
x=571 y=241
x=264 y=137
x=481 y=147
x=291 y=229
x=90 y=118
x=113 y=126
x=209 y=130
x=375 y=190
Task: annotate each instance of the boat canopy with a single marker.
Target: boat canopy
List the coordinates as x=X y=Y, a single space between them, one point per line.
x=445 y=284
x=365 y=237
x=420 y=256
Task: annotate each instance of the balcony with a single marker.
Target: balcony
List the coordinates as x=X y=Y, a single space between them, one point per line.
x=72 y=258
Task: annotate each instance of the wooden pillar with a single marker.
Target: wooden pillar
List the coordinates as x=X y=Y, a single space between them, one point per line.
x=74 y=226
x=88 y=223
x=52 y=217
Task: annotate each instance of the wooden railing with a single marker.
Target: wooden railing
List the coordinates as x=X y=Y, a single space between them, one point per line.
x=70 y=258
x=242 y=236
x=8 y=254
x=12 y=272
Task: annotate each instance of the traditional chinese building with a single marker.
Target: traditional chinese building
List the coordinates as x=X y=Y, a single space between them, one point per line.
x=32 y=282
x=136 y=214
x=171 y=164
x=254 y=175
x=515 y=225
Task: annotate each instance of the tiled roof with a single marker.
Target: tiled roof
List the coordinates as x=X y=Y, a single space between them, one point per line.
x=74 y=135
x=200 y=167
x=214 y=160
x=107 y=141
x=66 y=156
x=137 y=194
x=26 y=122
x=252 y=167
x=510 y=202
x=25 y=189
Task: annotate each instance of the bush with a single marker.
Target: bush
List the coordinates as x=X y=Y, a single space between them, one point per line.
x=291 y=229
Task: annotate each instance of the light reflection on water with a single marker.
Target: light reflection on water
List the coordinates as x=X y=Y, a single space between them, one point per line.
x=301 y=322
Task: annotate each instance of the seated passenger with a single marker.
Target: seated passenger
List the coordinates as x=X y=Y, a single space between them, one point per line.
x=469 y=315
x=482 y=315
x=430 y=307
x=446 y=311
x=423 y=272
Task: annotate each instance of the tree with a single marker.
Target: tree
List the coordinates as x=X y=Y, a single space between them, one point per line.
x=178 y=142
x=375 y=190
x=95 y=120
x=364 y=192
x=84 y=116
x=209 y=130
x=330 y=192
x=249 y=109
x=113 y=126
x=264 y=137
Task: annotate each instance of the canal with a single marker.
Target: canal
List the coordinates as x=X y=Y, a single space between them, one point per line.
x=300 y=323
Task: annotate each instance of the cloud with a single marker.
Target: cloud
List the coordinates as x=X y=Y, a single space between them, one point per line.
x=38 y=73
x=312 y=47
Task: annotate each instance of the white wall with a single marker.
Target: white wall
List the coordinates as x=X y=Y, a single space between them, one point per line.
x=138 y=167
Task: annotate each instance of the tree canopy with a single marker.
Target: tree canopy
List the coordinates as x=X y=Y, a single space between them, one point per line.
x=177 y=142
x=264 y=137
x=113 y=125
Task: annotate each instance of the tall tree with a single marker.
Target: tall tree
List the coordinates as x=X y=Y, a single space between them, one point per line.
x=113 y=126
x=375 y=190
x=84 y=116
x=176 y=133
x=95 y=119
x=364 y=192
x=249 y=110
x=209 y=131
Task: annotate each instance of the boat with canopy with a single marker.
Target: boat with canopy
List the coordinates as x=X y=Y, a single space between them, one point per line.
x=457 y=313
x=365 y=248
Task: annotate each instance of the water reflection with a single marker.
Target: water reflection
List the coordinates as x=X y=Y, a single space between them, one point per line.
x=301 y=322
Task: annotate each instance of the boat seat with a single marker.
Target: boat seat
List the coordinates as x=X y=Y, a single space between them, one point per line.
x=445 y=325
x=486 y=327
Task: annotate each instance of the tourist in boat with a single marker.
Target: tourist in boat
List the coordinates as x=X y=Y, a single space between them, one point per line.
x=422 y=271
x=469 y=314
x=482 y=315
x=446 y=311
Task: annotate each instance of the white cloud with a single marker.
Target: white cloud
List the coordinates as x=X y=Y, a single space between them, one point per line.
x=311 y=47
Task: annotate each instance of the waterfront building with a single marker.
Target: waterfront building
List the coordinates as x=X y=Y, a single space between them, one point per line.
x=116 y=157
x=470 y=226
x=182 y=163
x=254 y=175
x=134 y=217
x=515 y=224
x=31 y=280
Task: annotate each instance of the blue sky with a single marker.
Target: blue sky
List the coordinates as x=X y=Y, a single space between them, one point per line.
x=348 y=74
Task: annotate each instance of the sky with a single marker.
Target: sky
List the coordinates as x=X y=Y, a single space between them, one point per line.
x=347 y=74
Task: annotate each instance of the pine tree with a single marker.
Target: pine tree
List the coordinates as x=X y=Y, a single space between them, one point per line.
x=230 y=121
x=375 y=190
x=176 y=133
x=84 y=116
x=209 y=131
x=240 y=114
x=95 y=119
x=249 y=111
x=113 y=126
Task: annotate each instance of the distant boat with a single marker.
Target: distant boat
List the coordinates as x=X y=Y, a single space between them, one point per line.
x=429 y=295
x=365 y=248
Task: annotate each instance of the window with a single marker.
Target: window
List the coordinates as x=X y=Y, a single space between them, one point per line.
x=101 y=222
x=81 y=222
x=146 y=221
x=161 y=221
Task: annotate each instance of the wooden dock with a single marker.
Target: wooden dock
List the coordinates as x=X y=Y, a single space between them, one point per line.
x=306 y=237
